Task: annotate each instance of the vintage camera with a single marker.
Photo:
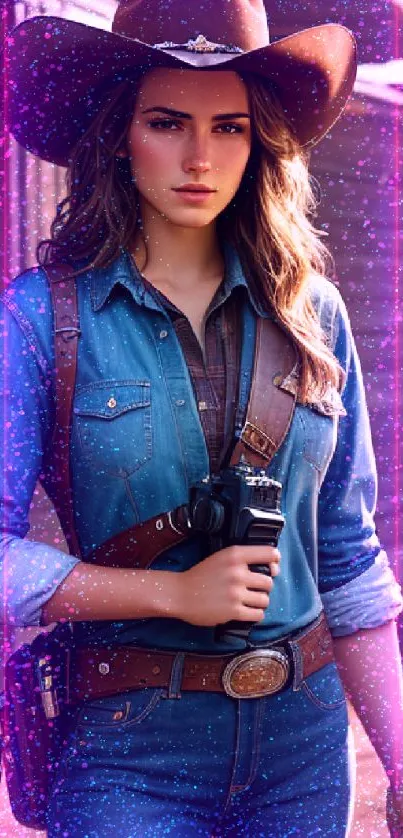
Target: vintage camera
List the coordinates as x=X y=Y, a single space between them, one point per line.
x=240 y=506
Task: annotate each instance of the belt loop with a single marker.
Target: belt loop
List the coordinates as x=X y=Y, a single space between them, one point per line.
x=298 y=665
x=176 y=676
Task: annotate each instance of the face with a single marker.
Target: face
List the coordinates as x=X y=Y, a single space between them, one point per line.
x=189 y=143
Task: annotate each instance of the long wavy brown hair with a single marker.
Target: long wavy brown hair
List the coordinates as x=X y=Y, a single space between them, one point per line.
x=270 y=219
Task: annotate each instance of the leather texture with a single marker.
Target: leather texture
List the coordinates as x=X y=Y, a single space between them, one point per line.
x=66 y=332
x=98 y=672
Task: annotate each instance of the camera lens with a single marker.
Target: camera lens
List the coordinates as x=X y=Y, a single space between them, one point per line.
x=207 y=515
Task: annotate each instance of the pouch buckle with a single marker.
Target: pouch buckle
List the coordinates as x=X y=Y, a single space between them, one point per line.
x=256 y=674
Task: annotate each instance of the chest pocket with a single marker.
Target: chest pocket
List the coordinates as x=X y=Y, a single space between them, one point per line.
x=319 y=422
x=319 y=436
x=113 y=423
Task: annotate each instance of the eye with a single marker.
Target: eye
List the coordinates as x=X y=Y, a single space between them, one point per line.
x=164 y=124
x=229 y=128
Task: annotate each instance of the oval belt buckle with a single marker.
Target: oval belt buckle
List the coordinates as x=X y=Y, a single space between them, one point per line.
x=256 y=674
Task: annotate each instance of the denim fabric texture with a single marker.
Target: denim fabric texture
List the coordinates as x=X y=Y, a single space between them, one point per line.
x=141 y=765
x=137 y=446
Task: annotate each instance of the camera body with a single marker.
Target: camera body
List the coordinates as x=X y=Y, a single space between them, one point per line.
x=239 y=506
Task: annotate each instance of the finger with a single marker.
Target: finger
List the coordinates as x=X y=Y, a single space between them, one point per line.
x=259 y=582
x=262 y=555
x=274 y=568
x=251 y=615
x=257 y=599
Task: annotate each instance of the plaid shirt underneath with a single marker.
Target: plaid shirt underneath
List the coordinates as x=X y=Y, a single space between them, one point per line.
x=214 y=376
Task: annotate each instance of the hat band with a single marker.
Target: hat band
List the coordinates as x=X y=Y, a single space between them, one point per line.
x=199 y=44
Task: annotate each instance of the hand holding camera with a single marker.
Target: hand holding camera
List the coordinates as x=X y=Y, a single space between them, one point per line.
x=239 y=513
x=224 y=587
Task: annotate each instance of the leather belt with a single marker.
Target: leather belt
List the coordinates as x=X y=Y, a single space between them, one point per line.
x=97 y=672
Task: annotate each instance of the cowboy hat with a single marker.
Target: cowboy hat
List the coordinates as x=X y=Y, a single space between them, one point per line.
x=57 y=67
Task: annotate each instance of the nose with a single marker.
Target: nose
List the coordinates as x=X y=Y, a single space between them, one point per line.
x=197 y=158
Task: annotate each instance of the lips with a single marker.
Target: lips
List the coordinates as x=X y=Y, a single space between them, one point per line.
x=194 y=187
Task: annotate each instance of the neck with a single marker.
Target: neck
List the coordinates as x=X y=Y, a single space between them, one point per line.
x=177 y=256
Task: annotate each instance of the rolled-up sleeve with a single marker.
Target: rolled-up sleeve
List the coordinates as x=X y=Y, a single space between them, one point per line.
x=29 y=572
x=356 y=584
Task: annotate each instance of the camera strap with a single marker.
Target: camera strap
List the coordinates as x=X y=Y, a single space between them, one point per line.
x=268 y=417
x=57 y=480
x=270 y=409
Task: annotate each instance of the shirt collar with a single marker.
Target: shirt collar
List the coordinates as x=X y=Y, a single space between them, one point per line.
x=235 y=277
x=123 y=271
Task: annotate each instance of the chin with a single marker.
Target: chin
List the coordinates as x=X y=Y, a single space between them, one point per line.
x=192 y=220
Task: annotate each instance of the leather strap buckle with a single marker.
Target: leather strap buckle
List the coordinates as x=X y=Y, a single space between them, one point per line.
x=256 y=674
x=255 y=438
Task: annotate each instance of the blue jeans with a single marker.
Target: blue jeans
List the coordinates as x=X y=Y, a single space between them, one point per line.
x=141 y=765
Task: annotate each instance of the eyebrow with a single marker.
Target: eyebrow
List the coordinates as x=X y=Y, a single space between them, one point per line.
x=182 y=115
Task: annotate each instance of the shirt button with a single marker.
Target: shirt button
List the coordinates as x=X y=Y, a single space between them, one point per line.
x=112 y=403
x=202 y=405
x=180 y=402
x=163 y=333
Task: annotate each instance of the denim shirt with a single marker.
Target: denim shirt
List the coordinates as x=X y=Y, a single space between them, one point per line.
x=137 y=446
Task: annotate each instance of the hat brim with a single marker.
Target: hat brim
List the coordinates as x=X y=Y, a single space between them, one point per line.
x=57 y=66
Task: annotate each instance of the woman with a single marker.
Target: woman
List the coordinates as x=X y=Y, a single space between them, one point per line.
x=186 y=224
